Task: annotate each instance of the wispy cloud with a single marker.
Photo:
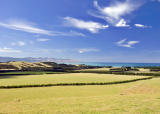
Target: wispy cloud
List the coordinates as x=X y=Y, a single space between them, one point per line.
x=24 y=26
x=122 y=23
x=19 y=43
x=84 y=50
x=142 y=26
x=31 y=28
x=115 y=12
x=73 y=33
x=91 y=26
x=9 y=50
x=125 y=43
x=42 y=39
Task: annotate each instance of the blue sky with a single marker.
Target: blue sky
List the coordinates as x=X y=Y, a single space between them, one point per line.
x=84 y=30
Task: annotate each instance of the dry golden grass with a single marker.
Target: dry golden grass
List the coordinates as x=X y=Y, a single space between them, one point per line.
x=19 y=65
x=69 y=78
x=97 y=69
x=110 y=99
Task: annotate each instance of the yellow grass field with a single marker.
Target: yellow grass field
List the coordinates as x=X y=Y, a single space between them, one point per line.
x=63 y=78
x=141 y=97
x=97 y=69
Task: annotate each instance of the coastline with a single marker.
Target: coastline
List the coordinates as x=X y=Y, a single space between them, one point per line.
x=114 y=64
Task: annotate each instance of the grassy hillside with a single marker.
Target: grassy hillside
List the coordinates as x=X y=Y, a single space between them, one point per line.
x=24 y=66
x=141 y=97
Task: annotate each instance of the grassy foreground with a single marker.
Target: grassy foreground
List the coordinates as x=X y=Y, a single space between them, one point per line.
x=65 y=79
x=141 y=97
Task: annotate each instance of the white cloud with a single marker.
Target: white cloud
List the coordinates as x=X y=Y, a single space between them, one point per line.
x=24 y=26
x=31 y=28
x=115 y=12
x=124 y=43
x=122 y=23
x=19 y=43
x=88 y=50
x=42 y=39
x=141 y=26
x=8 y=50
x=73 y=33
x=91 y=26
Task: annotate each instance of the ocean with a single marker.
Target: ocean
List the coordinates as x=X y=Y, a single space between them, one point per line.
x=118 y=64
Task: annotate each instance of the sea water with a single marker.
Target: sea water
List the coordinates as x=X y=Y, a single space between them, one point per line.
x=118 y=64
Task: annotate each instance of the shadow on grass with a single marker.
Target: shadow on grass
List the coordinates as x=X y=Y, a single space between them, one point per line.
x=3 y=77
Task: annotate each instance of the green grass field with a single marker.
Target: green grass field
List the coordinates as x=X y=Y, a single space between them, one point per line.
x=140 y=97
x=69 y=78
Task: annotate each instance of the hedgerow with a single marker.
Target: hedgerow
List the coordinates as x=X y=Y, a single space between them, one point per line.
x=73 y=84
x=119 y=73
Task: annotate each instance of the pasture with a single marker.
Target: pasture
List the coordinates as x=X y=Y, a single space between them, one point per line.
x=64 y=79
x=142 y=97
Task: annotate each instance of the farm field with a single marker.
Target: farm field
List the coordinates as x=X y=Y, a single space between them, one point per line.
x=97 y=69
x=69 y=78
x=140 y=72
x=141 y=97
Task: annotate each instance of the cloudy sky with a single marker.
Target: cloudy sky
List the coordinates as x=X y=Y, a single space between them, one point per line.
x=85 y=30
